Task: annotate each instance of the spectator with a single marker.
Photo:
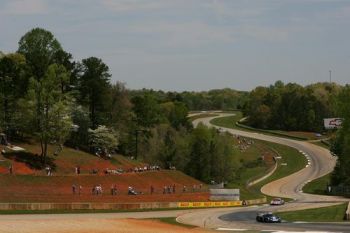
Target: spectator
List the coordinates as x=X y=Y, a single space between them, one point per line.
x=11 y=169
x=74 y=189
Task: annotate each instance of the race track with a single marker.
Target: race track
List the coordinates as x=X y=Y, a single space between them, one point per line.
x=321 y=162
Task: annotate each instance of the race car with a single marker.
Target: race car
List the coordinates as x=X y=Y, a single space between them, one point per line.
x=268 y=218
x=277 y=201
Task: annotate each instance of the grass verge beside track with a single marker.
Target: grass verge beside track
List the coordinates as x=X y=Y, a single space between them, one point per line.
x=291 y=157
x=318 y=186
x=325 y=214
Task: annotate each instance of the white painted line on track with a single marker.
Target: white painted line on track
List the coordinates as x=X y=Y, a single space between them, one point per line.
x=230 y=229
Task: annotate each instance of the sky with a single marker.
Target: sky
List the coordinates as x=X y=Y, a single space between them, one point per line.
x=194 y=45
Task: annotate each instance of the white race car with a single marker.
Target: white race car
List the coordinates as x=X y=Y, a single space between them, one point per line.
x=277 y=201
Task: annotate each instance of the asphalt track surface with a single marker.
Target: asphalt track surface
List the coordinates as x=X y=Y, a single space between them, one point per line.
x=320 y=162
x=238 y=219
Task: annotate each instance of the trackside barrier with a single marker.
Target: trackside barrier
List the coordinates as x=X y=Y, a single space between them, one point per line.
x=124 y=206
x=206 y=204
x=347 y=213
x=87 y=206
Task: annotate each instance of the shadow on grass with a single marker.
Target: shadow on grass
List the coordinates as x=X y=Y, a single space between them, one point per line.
x=32 y=160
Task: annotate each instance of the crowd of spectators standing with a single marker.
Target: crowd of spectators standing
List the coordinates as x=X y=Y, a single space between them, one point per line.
x=167 y=189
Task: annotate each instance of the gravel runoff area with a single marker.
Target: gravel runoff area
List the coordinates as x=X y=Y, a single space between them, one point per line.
x=92 y=225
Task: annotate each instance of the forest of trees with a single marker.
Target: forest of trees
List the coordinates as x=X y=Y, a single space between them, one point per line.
x=216 y=99
x=341 y=144
x=291 y=106
x=48 y=97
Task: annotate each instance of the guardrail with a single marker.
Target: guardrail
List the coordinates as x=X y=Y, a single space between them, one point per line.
x=126 y=206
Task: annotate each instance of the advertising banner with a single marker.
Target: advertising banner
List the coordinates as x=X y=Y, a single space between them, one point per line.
x=209 y=204
x=332 y=123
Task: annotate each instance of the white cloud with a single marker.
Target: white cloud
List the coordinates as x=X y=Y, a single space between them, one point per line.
x=25 y=7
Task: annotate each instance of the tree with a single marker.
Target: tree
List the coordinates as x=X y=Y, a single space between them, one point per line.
x=199 y=164
x=46 y=111
x=341 y=145
x=81 y=123
x=176 y=114
x=13 y=85
x=120 y=113
x=147 y=110
x=94 y=89
x=39 y=47
x=103 y=138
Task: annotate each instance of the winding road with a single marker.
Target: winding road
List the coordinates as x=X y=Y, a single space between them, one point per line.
x=321 y=162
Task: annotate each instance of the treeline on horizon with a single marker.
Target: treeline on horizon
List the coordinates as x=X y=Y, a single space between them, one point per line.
x=49 y=97
x=291 y=106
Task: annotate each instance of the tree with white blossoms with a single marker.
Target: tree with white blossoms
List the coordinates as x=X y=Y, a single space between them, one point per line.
x=103 y=138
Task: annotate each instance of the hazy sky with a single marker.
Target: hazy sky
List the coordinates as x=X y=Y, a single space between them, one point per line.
x=195 y=44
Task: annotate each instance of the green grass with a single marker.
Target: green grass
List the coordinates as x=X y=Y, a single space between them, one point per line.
x=294 y=160
x=172 y=221
x=326 y=214
x=318 y=186
x=245 y=173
